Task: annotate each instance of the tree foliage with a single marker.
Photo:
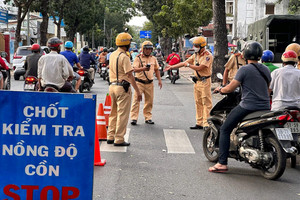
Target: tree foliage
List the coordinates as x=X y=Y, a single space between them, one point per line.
x=23 y=7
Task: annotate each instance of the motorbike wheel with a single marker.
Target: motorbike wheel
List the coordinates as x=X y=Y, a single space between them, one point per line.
x=104 y=77
x=210 y=145
x=16 y=77
x=277 y=166
x=7 y=84
x=162 y=73
x=173 y=79
x=81 y=88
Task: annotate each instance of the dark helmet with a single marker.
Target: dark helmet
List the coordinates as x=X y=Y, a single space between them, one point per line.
x=268 y=56
x=54 y=43
x=94 y=49
x=86 y=48
x=111 y=49
x=104 y=49
x=253 y=51
x=174 y=49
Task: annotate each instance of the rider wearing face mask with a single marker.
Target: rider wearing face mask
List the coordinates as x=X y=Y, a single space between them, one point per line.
x=144 y=66
x=201 y=62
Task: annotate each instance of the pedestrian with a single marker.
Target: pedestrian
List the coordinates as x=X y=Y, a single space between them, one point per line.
x=73 y=60
x=121 y=77
x=235 y=61
x=254 y=97
x=144 y=66
x=295 y=47
x=54 y=69
x=31 y=62
x=285 y=82
x=201 y=62
x=267 y=59
x=2 y=66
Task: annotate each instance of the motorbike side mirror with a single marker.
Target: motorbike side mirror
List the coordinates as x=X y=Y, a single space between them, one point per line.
x=220 y=76
x=3 y=54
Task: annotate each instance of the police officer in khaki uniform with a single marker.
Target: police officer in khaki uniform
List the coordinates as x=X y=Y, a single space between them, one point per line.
x=201 y=62
x=295 y=47
x=121 y=76
x=235 y=61
x=144 y=66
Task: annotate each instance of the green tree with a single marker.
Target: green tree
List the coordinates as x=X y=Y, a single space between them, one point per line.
x=220 y=37
x=23 y=7
x=294 y=6
x=57 y=9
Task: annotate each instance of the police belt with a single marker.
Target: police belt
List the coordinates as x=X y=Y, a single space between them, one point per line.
x=116 y=83
x=142 y=81
x=203 y=78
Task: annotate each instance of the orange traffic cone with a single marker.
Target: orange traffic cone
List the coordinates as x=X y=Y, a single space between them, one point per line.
x=97 y=156
x=107 y=108
x=100 y=124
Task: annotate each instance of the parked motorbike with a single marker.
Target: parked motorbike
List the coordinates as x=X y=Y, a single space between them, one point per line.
x=31 y=83
x=86 y=82
x=161 y=68
x=260 y=139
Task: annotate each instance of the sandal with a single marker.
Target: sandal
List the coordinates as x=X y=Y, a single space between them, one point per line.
x=217 y=170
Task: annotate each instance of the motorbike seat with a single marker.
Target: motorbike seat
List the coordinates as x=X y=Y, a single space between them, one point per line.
x=255 y=114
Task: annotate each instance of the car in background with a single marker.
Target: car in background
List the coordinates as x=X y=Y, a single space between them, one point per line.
x=188 y=53
x=20 y=57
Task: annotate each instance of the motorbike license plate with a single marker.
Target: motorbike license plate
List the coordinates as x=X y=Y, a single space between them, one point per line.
x=293 y=126
x=174 y=71
x=82 y=78
x=284 y=134
x=103 y=68
x=29 y=87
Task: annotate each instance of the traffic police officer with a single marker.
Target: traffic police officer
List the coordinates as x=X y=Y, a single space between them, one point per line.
x=294 y=47
x=120 y=76
x=235 y=61
x=201 y=63
x=144 y=65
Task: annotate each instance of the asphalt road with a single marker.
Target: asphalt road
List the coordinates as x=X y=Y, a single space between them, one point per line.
x=157 y=166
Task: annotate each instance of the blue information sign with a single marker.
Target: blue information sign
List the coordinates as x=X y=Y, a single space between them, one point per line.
x=145 y=34
x=46 y=145
x=3 y=16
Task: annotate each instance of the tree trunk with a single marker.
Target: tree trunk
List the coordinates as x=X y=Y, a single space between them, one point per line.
x=58 y=28
x=44 y=28
x=181 y=52
x=18 y=29
x=220 y=37
x=166 y=45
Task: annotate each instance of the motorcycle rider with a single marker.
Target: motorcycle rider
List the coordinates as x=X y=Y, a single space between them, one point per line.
x=254 y=97
x=172 y=59
x=3 y=66
x=267 y=59
x=295 y=47
x=201 y=62
x=159 y=54
x=144 y=66
x=120 y=91
x=31 y=62
x=102 y=58
x=235 y=61
x=72 y=58
x=285 y=82
x=86 y=60
x=54 y=69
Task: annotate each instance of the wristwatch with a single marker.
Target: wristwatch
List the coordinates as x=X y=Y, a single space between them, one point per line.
x=188 y=65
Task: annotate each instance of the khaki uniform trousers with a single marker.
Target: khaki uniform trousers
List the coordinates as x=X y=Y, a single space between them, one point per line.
x=147 y=89
x=203 y=102
x=120 y=109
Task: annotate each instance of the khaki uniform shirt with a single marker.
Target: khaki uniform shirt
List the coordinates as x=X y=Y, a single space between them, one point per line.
x=233 y=66
x=206 y=59
x=124 y=66
x=145 y=60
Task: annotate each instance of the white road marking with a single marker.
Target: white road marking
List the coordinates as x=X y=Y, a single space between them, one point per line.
x=111 y=148
x=177 y=141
